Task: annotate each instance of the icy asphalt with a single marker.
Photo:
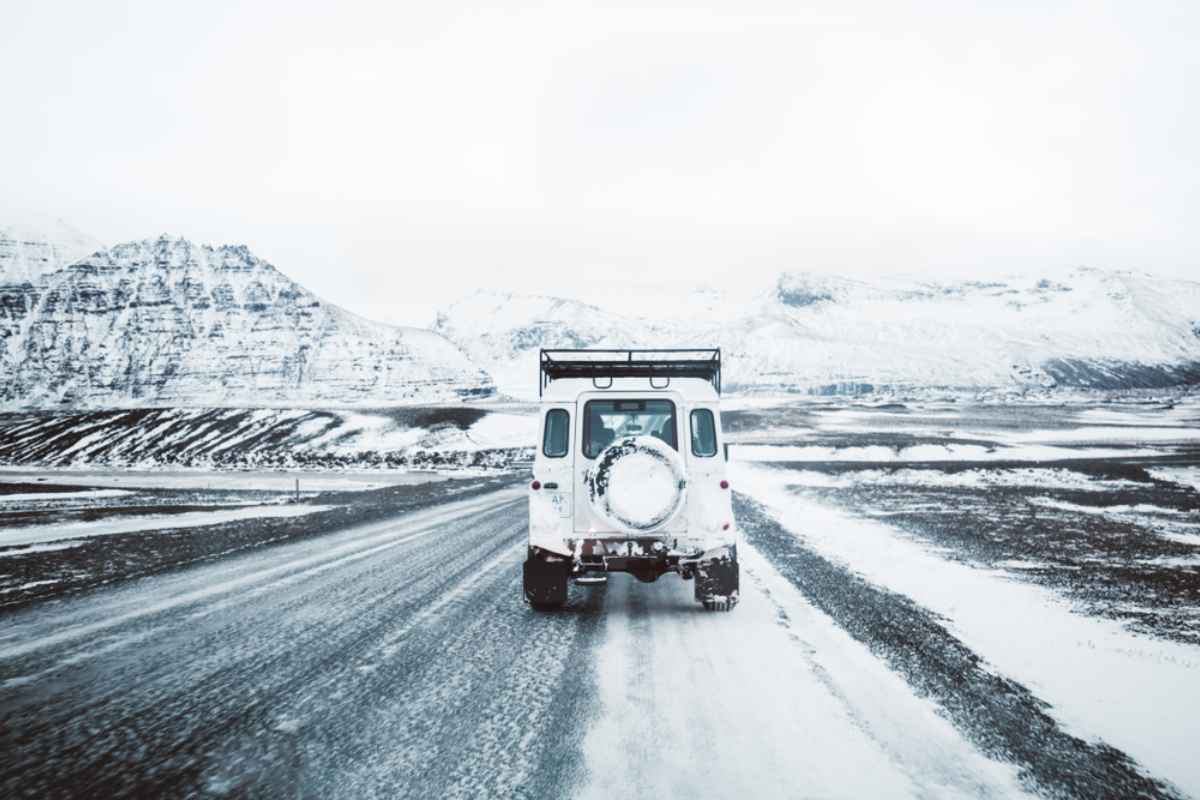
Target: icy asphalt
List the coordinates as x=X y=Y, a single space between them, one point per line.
x=397 y=659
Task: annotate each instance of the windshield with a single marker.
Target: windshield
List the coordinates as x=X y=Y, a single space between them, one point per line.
x=605 y=420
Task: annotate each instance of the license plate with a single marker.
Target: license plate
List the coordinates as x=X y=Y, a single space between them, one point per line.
x=562 y=504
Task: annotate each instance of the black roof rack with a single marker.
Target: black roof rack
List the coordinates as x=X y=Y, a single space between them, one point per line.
x=661 y=363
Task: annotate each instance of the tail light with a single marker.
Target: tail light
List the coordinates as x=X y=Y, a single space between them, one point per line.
x=724 y=484
x=535 y=485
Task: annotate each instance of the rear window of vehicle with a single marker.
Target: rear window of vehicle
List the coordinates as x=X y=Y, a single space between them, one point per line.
x=606 y=420
x=704 y=433
x=555 y=439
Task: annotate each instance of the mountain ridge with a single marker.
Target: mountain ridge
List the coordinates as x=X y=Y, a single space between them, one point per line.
x=168 y=322
x=820 y=333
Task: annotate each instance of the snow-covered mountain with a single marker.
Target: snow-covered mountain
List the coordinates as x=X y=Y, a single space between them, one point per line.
x=822 y=333
x=36 y=245
x=169 y=322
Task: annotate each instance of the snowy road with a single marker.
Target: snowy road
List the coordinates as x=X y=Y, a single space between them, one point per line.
x=392 y=660
x=397 y=660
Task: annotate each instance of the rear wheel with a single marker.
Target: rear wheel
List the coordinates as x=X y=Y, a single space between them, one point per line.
x=717 y=582
x=546 y=576
x=718 y=604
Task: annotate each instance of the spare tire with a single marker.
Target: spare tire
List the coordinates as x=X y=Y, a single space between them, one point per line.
x=638 y=484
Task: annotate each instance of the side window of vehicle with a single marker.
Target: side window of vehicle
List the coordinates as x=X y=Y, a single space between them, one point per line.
x=704 y=433
x=554 y=440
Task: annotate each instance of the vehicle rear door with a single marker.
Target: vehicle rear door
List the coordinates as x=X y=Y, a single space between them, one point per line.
x=586 y=521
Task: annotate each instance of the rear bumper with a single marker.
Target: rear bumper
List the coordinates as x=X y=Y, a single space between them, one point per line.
x=645 y=558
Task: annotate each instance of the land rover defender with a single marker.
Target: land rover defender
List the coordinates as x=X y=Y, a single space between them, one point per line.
x=629 y=474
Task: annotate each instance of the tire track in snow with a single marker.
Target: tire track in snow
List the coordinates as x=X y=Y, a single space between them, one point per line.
x=696 y=704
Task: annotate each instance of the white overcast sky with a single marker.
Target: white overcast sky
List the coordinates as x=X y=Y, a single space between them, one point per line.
x=394 y=156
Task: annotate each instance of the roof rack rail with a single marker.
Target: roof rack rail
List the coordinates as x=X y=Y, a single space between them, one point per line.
x=680 y=362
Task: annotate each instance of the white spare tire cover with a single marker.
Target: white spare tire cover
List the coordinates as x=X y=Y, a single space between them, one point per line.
x=638 y=484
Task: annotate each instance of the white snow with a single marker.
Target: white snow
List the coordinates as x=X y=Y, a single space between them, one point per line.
x=1189 y=535
x=215 y=325
x=822 y=330
x=773 y=700
x=29 y=585
x=37 y=244
x=927 y=452
x=1056 y=478
x=1131 y=434
x=39 y=548
x=504 y=430
x=94 y=494
x=361 y=430
x=1138 y=693
x=1182 y=412
x=32 y=534
x=1117 y=510
x=641 y=488
x=1184 y=476
x=288 y=439
x=255 y=480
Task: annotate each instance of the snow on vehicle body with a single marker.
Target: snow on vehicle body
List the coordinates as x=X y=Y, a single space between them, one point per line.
x=629 y=473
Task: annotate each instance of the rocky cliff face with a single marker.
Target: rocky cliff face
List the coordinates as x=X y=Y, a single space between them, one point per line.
x=811 y=332
x=169 y=322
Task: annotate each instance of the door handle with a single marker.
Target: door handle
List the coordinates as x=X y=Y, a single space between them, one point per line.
x=550 y=485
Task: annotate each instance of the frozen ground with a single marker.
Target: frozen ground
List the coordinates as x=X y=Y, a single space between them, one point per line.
x=60 y=534
x=490 y=436
x=260 y=480
x=908 y=628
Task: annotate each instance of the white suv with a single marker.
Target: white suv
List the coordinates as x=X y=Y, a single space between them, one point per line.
x=629 y=474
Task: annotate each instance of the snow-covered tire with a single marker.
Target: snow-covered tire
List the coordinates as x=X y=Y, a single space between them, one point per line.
x=717 y=584
x=638 y=484
x=719 y=604
x=546 y=577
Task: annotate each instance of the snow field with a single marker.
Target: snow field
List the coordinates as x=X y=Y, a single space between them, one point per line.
x=1056 y=478
x=928 y=452
x=32 y=497
x=1137 y=693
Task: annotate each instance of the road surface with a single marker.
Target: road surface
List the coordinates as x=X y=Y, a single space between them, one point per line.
x=397 y=659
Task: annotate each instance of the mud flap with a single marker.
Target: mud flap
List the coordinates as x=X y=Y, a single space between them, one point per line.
x=546 y=576
x=716 y=586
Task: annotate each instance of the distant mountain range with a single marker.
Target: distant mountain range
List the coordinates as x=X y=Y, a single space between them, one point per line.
x=824 y=334
x=169 y=322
